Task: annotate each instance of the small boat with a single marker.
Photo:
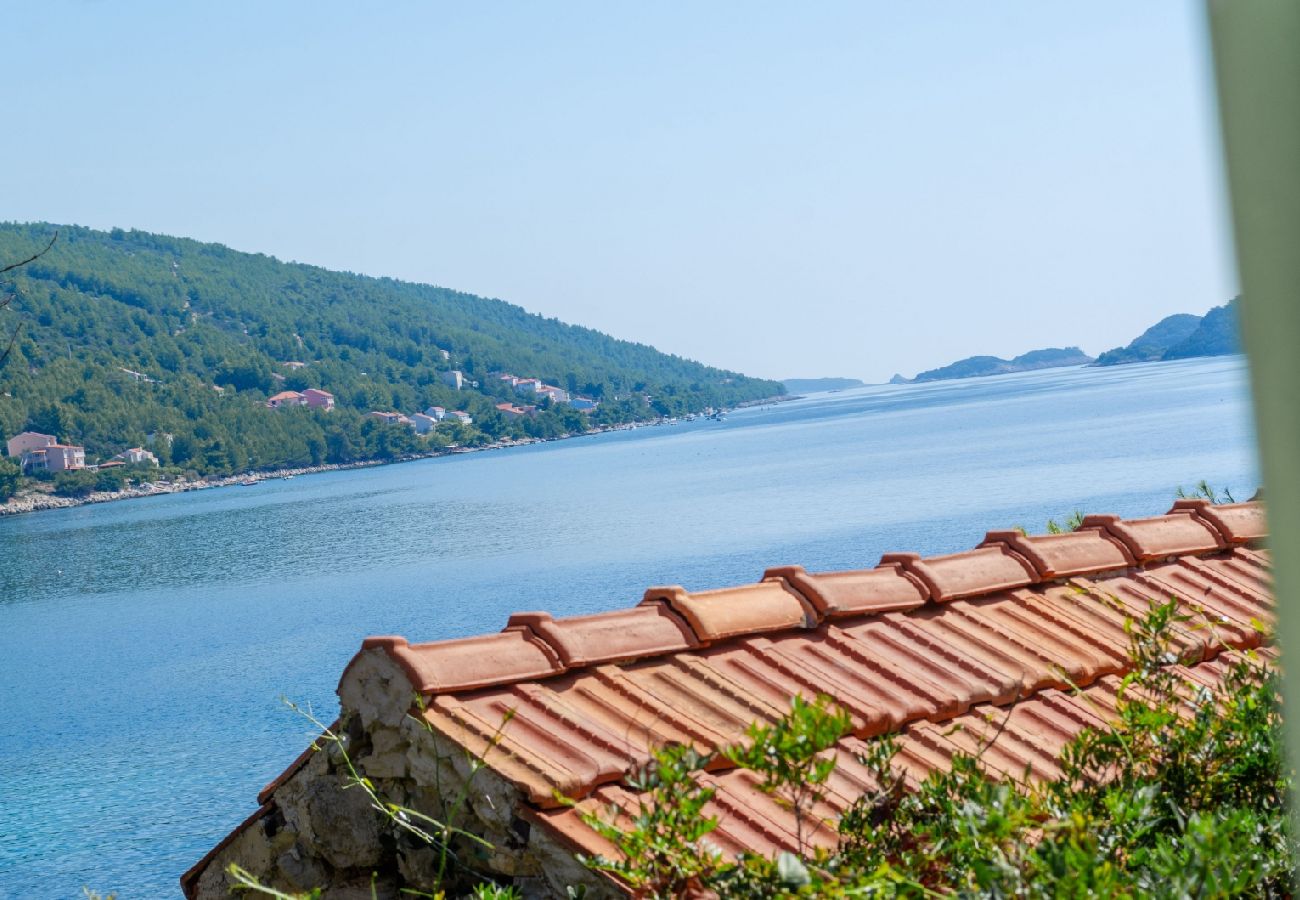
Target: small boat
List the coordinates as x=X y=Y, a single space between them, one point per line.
x=248 y=482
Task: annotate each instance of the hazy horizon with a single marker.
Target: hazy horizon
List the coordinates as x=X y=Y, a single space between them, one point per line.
x=840 y=191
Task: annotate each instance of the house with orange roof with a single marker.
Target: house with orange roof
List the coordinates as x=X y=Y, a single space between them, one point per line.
x=59 y=458
x=286 y=398
x=461 y=416
x=511 y=411
x=1013 y=647
x=43 y=452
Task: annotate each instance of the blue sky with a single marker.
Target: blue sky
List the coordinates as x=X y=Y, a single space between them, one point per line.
x=787 y=189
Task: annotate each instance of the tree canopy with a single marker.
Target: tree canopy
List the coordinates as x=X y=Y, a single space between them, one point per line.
x=127 y=334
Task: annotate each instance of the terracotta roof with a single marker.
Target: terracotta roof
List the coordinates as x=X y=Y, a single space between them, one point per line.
x=1023 y=739
x=903 y=646
x=912 y=639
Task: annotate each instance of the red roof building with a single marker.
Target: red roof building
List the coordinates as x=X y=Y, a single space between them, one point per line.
x=318 y=399
x=286 y=398
x=1021 y=642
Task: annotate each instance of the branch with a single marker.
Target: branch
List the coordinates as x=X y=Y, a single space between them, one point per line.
x=29 y=259
x=13 y=339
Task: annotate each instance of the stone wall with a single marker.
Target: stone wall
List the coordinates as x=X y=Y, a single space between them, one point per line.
x=318 y=829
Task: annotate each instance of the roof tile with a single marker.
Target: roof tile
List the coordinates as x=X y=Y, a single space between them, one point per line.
x=468 y=663
x=730 y=612
x=974 y=572
x=1238 y=523
x=1159 y=537
x=944 y=673
x=617 y=636
x=884 y=589
x=571 y=705
x=1062 y=555
x=1022 y=740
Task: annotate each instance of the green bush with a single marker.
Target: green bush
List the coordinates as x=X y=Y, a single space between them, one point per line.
x=1182 y=795
x=79 y=483
x=9 y=476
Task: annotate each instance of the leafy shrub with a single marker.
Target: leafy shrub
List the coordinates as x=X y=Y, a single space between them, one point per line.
x=1181 y=795
x=9 y=476
x=663 y=852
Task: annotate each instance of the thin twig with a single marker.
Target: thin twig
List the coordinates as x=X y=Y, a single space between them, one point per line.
x=32 y=258
x=13 y=339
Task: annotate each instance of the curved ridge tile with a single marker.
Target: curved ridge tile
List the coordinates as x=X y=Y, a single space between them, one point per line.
x=1062 y=555
x=887 y=588
x=465 y=664
x=730 y=612
x=617 y=636
x=983 y=570
x=1238 y=523
x=1159 y=537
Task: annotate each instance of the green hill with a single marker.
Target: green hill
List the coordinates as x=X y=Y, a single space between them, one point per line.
x=1216 y=335
x=1152 y=343
x=126 y=333
x=1181 y=336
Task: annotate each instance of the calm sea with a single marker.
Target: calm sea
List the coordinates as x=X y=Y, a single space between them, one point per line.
x=145 y=646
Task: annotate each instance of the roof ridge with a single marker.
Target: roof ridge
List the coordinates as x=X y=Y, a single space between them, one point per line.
x=671 y=619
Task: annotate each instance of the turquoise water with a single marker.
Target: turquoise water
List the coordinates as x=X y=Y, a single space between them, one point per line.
x=144 y=645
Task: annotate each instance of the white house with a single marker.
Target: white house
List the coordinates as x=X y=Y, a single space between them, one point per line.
x=529 y=385
x=423 y=424
x=582 y=404
x=461 y=416
x=557 y=395
x=436 y=412
x=137 y=456
x=454 y=379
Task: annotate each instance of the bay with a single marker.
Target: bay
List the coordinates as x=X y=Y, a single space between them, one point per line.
x=145 y=646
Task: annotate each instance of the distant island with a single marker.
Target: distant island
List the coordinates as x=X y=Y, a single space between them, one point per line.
x=980 y=366
x=1180 y=337
x=813 y=385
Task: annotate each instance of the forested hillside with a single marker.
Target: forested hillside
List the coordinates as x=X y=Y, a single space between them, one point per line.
x=127 y=333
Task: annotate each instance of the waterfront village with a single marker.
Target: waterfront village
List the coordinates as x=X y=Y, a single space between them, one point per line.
x=428 y=420
x=44 y=456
